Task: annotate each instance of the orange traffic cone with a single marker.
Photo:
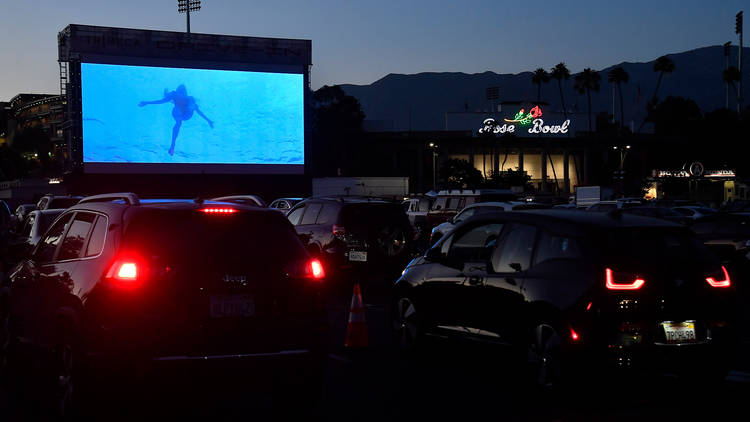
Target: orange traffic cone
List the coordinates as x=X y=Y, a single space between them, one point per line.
x=356 y=331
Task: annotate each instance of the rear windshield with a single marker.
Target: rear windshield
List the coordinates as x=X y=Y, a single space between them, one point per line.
x=372 y=214
x=657 y=250
x=191 y=237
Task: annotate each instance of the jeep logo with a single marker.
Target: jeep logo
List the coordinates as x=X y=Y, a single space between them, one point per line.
x=235 y=279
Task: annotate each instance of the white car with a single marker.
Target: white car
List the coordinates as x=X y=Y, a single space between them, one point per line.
x=252 y=200
x=477 y=208
x=694 y=211
x=284 y=204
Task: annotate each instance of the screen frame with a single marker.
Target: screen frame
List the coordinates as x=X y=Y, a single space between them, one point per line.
x=190 y=168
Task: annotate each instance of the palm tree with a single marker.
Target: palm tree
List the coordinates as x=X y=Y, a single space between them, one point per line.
x=560 y=72
x=730 y=76
x=588 y=81
x=539 y=77
x=662 y=65
x=619 y=76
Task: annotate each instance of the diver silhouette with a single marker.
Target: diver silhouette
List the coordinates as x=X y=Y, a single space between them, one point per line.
x=184 y=106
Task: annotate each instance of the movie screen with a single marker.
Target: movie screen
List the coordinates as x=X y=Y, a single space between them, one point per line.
x=161 y=115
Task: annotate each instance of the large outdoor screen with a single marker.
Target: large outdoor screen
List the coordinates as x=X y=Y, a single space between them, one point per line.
x=182 y=119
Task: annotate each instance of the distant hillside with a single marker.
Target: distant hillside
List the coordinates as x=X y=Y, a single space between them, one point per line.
x=427 y=96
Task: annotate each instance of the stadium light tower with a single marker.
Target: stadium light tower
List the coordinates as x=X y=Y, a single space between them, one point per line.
x=187 y=6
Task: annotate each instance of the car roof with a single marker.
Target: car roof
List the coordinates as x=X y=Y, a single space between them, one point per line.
x=575 y=222
x=353 y=199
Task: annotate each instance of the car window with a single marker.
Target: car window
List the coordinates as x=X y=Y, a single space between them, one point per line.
x=514 y=250
x=328 y=214
x=75 y=238
x=295 y=215
x=29 y=224
x=46 y=250
x=475 y=245
x=96 y=242
x=311 y=214
x=556 y=247
x=461 y=203
x=463 y=215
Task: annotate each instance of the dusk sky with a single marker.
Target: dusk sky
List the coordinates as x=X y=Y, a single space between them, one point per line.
x=359 y=42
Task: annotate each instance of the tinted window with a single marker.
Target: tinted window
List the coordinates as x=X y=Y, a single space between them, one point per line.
x=463 y=215
x=475 y=245
x=72 y=245
x=46 y=250
x=62 y=202
x=328 y=214
x=514 y=250
x=200 y=243
x=295 y=215
x=556 y=247
x=96 y=243
x=311 y=214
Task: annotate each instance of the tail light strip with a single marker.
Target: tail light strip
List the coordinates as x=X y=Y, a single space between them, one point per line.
x=613 y=285
x=720 y=283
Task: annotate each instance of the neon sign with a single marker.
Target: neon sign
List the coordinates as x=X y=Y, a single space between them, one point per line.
x=522 y=118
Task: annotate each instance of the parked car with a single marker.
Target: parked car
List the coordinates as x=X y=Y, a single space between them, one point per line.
x=50 y=201
x=6 y=218
x=19 y=215
x=352 y=230
x=571 y=290
x=118 y=283
x=252 y=200
x=37 y=222
x=284 y=204
x=694 y=212
x=606 y=206
x=416 y=209
x=658 y=212
x=475 y=209
x=728 y=236
x=449 y=202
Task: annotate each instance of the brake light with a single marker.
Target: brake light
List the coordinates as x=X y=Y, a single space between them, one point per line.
x=218 y=210
x=339 y=231
x=720 y=283
x=127 y=271
x=636 y=284
x=573 y=335
x=316 y=269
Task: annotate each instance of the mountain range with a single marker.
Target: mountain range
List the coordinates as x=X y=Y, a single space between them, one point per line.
x=419 y=101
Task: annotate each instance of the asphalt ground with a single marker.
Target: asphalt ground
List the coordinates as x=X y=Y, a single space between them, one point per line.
x=376 y=383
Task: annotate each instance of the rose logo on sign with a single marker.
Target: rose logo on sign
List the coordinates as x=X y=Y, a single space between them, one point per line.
x=522 y=118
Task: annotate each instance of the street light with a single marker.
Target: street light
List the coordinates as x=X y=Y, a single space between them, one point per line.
x=433 y=146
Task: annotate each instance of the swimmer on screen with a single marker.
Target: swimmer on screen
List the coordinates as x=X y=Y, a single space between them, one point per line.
x=184 y=106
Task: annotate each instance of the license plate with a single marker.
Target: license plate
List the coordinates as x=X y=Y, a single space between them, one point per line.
x=358 y=256
x=679 y=332
x=232 y=306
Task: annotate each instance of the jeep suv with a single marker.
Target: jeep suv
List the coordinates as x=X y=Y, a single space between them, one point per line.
x=348 y=231
x=117 y=282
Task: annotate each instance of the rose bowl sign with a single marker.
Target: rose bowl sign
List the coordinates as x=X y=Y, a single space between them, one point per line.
x=524 y=124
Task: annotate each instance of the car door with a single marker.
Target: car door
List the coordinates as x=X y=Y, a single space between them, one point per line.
x=454 y=284
x=501 y=299
x=36 y=286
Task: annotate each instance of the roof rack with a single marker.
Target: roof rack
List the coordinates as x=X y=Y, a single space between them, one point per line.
x=129 y=197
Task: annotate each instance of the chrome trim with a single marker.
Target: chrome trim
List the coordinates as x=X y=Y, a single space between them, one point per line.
x=233 y=356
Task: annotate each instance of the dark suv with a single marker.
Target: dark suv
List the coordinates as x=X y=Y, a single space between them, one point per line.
x=117 y=282
x=565 y=288
x=355 y=230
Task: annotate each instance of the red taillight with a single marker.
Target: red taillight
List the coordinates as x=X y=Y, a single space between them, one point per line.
x=573 y=335
x=127 y=271
x=636 y=284
x=339 y=231
x=218 y=210
x=316 y=269
x=720 y=283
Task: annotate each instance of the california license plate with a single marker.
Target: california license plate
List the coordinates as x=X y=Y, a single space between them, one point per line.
x=232 y=306
x=360 y=256
x=679 y=332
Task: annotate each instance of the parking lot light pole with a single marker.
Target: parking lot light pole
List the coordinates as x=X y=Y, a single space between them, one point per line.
x=623 y=153
x=433 y=147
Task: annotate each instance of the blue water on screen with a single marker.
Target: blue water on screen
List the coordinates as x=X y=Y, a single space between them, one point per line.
x=258 y=117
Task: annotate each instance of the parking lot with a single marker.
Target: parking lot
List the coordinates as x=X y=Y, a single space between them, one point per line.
x=379 y=381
